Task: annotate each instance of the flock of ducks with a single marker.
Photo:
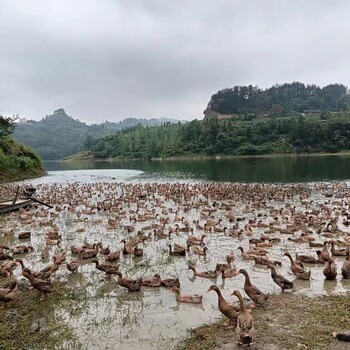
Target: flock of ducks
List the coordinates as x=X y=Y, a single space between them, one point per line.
x=259 y=217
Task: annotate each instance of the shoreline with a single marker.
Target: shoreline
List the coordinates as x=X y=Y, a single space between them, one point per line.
x=213 y=157
x=288 y=322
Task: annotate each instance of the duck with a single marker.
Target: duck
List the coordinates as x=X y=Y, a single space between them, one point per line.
x=138 y=252
x=129 y=283
x=229 y=273
x=199 y=251
x=345 y=270
x=43 y=286
x=196 y=241
x=50 y=241
x=204 y=274
x=170 y=282
x=338 y=252
x=7 y=268
x=186 y=298
x=245 y=323
x=21 y=249
x=177 y=251
x=246 y=255
x=324 y=255
x=280 y=280
x=229 y=310
x=297 y=269
x=73 y=265
x=59 y=257
x=108 y=269
x=127 y=248
x=4 y=256
x=90 y=253
x=105 y=251
x=47 y=271
x=330 y=271
x=76 y=250
x=305 y=258
x=24 y=235
x=8 y=292
x=254 y=293
x=154 y=281
x=113 y=256
x=264 y=260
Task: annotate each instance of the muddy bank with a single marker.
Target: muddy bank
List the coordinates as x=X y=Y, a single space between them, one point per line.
x=287 y=322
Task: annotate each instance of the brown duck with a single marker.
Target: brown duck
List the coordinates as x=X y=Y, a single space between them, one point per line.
x=43 y=286
x=186 y=298
x=298 y=270
x=170 y=282
x=245 y=323
x=345 y=270
x=113 y=256
x=204 y=274
x=8 y=292
x=154 y=281
x=129 y=283
x=280 y=280
x=330 y=271
x=177 y=251
x=74 y=265
x=108 y=269
x=254 y=293
x=229 y=310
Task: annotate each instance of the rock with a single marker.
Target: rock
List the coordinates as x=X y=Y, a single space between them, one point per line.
x=37 y=325
x=23 y=285
x=344 y=336
x=59 y=111
x=11 y=315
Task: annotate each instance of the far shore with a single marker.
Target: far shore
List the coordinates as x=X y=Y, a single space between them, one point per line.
x=203 y=157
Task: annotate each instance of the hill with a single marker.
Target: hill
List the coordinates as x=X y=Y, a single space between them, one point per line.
x=59 y=135
x=17 y=161
x=282 y=99
x=245 y=120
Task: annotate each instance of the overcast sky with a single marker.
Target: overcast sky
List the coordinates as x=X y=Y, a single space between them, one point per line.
x=112 y=59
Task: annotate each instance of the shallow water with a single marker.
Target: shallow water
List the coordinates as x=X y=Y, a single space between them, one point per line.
x=152 y=319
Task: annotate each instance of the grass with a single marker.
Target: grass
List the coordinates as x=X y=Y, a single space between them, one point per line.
x=34 y=324
x=288 y=321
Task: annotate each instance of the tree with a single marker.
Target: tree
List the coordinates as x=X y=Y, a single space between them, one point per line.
x=7 y=126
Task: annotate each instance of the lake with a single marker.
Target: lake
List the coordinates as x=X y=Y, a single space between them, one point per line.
x=152 y=319
x=271 y=169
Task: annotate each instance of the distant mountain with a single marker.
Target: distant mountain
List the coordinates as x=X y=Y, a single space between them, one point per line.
x=59 y=135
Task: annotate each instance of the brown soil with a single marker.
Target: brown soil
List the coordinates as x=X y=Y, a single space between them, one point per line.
x=287 y=322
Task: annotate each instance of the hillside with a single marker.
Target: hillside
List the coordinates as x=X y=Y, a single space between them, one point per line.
x=59 y=135
x=279 y=100
x=17 y=161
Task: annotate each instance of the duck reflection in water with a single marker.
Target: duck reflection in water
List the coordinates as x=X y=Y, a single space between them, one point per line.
x=329 y=286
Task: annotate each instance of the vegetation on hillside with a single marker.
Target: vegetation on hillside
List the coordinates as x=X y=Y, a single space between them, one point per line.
x=244 y=120
x=279 y=99
x=17 y=161
x=59 y=135
x=328 y=132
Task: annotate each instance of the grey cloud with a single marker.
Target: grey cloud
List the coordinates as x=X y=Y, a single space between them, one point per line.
x=112 y=59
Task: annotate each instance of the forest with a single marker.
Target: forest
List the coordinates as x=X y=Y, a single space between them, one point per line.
x=17 y=161
x=329 y=132
x=244 y=120
x=280 y=99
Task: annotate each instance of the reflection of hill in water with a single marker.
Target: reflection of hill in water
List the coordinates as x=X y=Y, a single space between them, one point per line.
x=273 y=169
